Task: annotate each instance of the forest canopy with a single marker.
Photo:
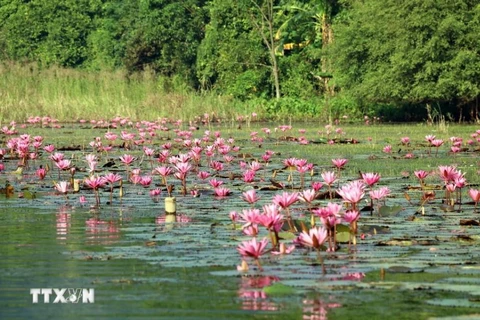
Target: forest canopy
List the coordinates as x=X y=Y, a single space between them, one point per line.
x=309 y=57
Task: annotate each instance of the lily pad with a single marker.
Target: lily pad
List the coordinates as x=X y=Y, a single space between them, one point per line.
x=279 y=289
x=454 y=303
x=390 y=210
x=343 y=233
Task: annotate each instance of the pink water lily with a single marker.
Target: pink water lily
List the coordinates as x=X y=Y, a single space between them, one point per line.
x=145 y=180
x=314 y=238
x=405 y=140
x=248 y=176
x=290 y=162
x=448 y=173
x=430 y=137
x=379 y=194
x=421 y=174
x=437 y=142
x=475 y=195
x=250 y=216
x=164 y=172
x=250 y=196
x=351 y=216
x=370 y=178
x=317 y=185
x=127 y=159
x=148 y=151
x=95 y=182
x=203 y=175
x=285 y=199
x=182 y=169
x=253 y=248
x=49 y=148
x=155 y=194
x=307 y=195
x=332 y=209
x=339 y=163
x=57 y=156
x=351 y=193
x=62 y=187
x=329 y=177
x=41 y=173
x=271 y=218
x=215 y=183
x=222 y=192
x=250 y=230
x=63 y=164
x=111 y=179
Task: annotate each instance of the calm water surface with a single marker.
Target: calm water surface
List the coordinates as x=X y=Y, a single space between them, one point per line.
x=67 y=248
x=142 y=267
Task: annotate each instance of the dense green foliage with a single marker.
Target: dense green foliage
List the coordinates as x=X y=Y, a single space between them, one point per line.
x=308 y=58
x=416 y=51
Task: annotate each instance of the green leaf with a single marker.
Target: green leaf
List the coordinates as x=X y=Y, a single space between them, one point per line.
x=279 y=289
x=390 y=210
x=343 y=233
x=29 y=195
x=286 y=235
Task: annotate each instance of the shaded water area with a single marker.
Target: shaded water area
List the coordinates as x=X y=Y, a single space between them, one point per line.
x=143 y=263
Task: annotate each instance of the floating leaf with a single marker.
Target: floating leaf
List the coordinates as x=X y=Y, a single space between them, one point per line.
x=447 y=208
x=402 y=269
x=286 y=235
x=395 y=242
x=29 y=195
x=279 y=289
x=343 y=233
x=390 y=210
x=454 y=303
x=475 y=316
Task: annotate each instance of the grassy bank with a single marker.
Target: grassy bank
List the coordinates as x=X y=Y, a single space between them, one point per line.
x=69 y=95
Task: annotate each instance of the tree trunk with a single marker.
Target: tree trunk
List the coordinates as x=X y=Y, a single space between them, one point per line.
x=276 y=78
x=268 y=37
x=429 y=113
x=327 y=38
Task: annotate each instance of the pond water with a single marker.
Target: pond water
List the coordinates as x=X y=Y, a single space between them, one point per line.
x=143 y=263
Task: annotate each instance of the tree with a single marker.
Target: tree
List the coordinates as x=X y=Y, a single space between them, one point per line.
x=161 y=35
x=308 y=25
x=51 y=32
x=243 y=50
x=416 y=51
x=263 y=19
x=231 y=57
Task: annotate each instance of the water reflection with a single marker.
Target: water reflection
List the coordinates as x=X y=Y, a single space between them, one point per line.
x=317 y=309
x=101 y=232
x=172 y=217
x=63 y=223
x=353 y=276
x=165 y=222
x=252 y=295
